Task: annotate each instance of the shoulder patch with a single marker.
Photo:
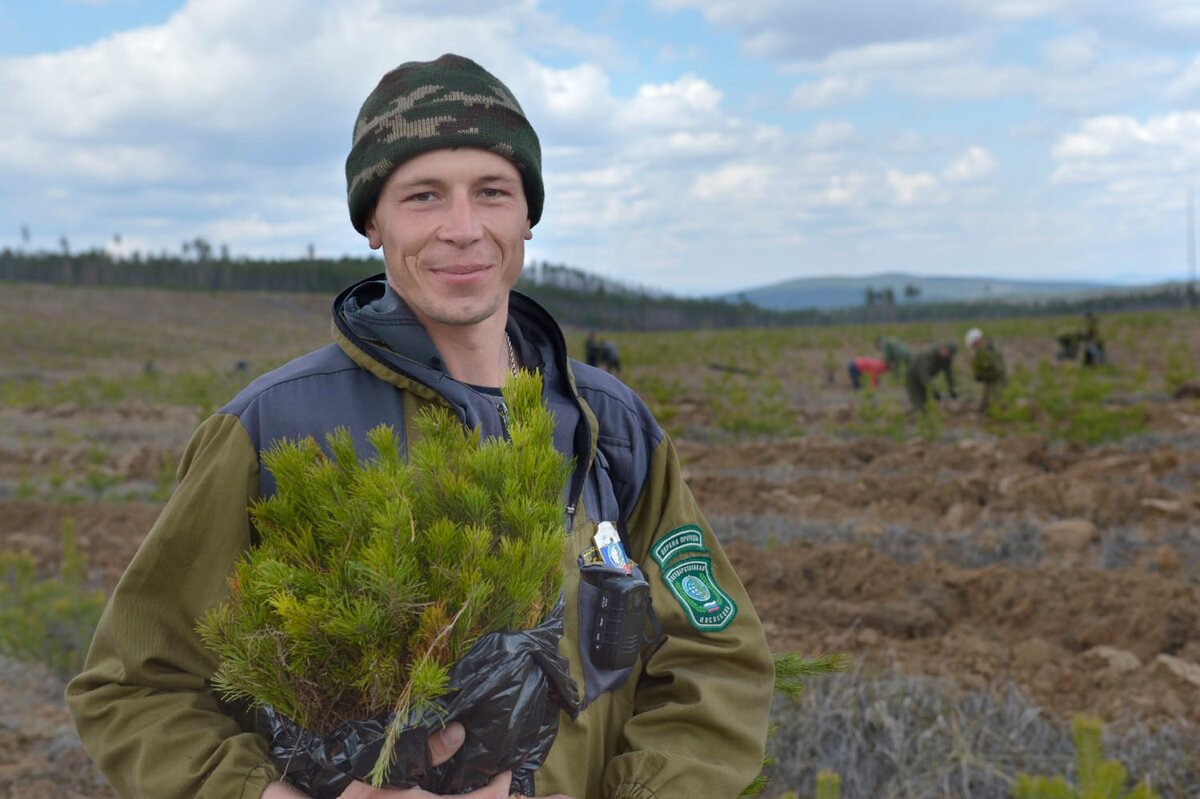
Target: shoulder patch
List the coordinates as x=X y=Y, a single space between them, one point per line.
x=709 y=609
x=688 y=538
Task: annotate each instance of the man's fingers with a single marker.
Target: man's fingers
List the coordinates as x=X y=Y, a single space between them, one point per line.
x=445 y=742
x=496 y=789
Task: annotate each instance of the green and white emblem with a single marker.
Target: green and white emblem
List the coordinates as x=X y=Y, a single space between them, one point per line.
x=708 y=608
x=682 y=539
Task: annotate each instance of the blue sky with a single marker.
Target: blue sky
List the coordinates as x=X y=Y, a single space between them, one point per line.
x=694 y=146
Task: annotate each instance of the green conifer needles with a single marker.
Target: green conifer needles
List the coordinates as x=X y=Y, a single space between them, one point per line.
x=373 y=577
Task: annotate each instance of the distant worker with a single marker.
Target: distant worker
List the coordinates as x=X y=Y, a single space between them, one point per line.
x=1093 y=345
x=928 y=364
x=591 y=349
x=1068 y=345
x=866 y=365
x=1070 y=342
x=987 y=366
x=894 y=353
x=601 y=353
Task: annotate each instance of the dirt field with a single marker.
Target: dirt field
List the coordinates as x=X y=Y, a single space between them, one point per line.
x=1070 y=571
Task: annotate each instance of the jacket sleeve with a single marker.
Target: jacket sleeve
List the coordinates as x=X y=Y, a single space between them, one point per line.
x=143 y=706
x=702 y=703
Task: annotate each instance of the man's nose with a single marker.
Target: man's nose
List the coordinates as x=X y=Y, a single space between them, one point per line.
x=461 y=224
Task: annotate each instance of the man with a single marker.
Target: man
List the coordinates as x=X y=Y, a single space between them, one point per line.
x=928 y=364
x=894 y=353
x=987 y=366
x=444 y=175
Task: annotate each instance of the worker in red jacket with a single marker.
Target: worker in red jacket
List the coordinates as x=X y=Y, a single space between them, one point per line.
x=866 y=365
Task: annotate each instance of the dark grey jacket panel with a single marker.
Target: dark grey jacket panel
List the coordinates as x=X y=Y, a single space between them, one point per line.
x=312 y=395
x=628 y=436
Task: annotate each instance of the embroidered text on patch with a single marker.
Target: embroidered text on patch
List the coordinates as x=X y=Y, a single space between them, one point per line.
x=708 y=608
x=682 y=539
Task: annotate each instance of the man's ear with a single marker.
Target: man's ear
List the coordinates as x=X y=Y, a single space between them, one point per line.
x=372 y=231
x=528 y=231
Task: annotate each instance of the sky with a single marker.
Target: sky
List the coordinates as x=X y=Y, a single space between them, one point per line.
x=689 y=146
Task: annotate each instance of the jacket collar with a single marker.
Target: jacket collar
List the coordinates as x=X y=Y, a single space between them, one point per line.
x=372 y=316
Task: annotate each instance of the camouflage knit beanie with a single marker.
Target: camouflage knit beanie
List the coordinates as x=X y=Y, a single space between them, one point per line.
x=429 y=105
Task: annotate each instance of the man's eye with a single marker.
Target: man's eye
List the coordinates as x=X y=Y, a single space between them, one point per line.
x=421 y=197
x=492 y=193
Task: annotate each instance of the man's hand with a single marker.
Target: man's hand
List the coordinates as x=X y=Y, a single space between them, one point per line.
x=442 y=746
x=496 y=789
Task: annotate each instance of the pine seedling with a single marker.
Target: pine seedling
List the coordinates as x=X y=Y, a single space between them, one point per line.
x=1098 y=778
x=373 y=577
x=791 y=672
x=829 y=785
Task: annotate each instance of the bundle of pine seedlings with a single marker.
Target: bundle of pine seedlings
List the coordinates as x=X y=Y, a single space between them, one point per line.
x=373 y=577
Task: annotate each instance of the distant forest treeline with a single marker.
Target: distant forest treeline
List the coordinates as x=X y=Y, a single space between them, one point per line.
x=578 y=298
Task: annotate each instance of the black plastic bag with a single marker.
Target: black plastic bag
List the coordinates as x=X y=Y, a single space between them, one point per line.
x=506 y=692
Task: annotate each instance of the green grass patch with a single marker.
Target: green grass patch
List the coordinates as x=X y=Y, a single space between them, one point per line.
x=48 y=620
x=1070 y=402
x=880 y=414
x=205 y=391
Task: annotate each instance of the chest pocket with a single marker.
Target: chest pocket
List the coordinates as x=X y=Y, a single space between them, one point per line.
x=614 y=605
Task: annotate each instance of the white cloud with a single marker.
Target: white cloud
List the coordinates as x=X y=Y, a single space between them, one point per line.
x=908 y=188
x=689 y=144
x=810 y=30
x=846 y=190
x=1172 y=137
x=830 y=135
x=576 y=94
x=1074 y=52
x=1136 y=169
x=974 y=164
x=964 y=81
x=1176 y=14
x=686 y=102
x=893 y=55
x=828 y=91
x=1186 y=84
x=1105 y=85
x=1023 y=9
x=737 y=183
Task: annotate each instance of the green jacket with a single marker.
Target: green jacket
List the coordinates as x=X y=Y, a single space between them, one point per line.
x=689 y=719
x=929 y=363
x=987 y=364
x=895 y=354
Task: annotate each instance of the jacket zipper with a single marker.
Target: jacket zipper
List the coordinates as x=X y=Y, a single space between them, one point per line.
x=502 y=410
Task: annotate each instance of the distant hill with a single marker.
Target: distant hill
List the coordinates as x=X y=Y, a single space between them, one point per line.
x=846 y=292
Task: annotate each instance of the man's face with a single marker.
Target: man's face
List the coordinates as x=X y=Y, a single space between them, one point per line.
x=452 y=224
